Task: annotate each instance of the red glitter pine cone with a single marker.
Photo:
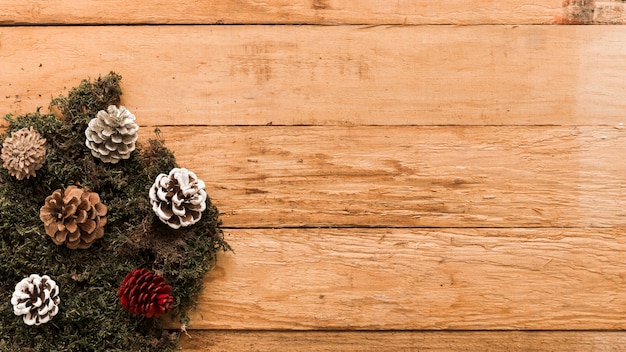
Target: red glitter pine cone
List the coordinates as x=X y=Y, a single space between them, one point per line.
x=145 y=293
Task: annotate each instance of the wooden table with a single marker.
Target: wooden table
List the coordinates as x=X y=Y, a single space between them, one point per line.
x=393 y=175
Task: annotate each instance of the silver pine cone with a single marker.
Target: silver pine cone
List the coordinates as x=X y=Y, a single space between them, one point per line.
x=23 y=153
x=178 y=199
x=36 y=298
x=112 y=134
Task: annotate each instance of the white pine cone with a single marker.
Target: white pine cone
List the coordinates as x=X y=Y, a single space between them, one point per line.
x=112 y=134
x=23 y=153
x=178 y=199
x=36 y=298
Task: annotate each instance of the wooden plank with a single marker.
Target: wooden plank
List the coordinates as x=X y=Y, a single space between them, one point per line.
x=321 y=75
x=279 y=12
x=396 y=341
x=416 y=279
x=402 y=176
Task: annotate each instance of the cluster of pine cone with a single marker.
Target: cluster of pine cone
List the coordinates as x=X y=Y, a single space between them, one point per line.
x=76 y=216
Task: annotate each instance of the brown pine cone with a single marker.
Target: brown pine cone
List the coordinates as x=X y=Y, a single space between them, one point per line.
x=75 y=217
x=145 y=293
x=23 y=153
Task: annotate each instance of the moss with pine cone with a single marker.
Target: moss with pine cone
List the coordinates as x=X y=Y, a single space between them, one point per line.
x=90 y=317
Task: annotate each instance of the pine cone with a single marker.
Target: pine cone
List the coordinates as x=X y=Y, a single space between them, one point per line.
x=23 y=153
x=37 y=298
x=75 y=217
x=145 y=293
x=112 y=134
x=179 y=198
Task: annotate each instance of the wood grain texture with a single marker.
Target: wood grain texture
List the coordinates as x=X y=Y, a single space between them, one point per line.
x=397 y=341
x=592 y=12
x=416 y=279
x=279 y=12
x=610 y=12
x=328 y=75
x=401 y=176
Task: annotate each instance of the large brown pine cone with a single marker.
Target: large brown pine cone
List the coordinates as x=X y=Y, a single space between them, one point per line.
x=112 y=134
x=74 y=217
x=23 y=153
x=37 y=298
x=178 y=199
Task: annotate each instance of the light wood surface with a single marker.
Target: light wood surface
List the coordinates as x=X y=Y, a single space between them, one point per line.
x=387 y=182
x=416 y=279
x=280 y=12
x=409 y=176
x=396 y=341
x=329 y=75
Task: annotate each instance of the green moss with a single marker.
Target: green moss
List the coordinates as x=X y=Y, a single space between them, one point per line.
x=90 y=317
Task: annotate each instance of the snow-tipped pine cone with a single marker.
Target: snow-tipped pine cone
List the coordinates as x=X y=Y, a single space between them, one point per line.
x=178 y=199
x=112 y=134
x=23 y=153
x=36 y=298
x=74 y=217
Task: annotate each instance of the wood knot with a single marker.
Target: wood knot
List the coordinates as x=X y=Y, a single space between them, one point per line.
x=320 y=5
x=577 y=12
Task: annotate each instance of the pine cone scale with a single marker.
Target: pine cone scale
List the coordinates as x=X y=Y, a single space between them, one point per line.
x=101 y=210
x=71 y=226
x=73 y=236
x=48 y=219
x=186 y=217
x=88 y=226
x=179 y=209
x=164 y=211
x=117 y=138
x=72 y=195
x=93 y=198
x=58 y=237
x=81 y=216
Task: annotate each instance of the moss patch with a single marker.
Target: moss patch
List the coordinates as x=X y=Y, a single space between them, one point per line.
x=90 y=317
